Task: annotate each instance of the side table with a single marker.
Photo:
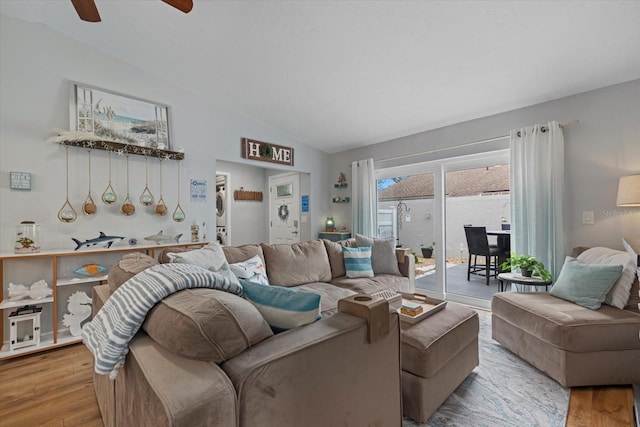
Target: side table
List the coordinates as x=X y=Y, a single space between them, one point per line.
x=521 y=280
x=334 y=236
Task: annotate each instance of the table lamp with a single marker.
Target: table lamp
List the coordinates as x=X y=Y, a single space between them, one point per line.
x=329 y=225
x=629 y=191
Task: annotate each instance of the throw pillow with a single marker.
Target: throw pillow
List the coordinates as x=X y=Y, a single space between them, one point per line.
x=357 y=262
x=283 y=308
x=585 y=284
x=252 y=270
x=383 y=254
x=127 y=267
x=210 y=257
x=206 y=324
x=621 y=290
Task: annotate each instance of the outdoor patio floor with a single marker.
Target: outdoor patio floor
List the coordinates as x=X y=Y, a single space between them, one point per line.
x=457 y=283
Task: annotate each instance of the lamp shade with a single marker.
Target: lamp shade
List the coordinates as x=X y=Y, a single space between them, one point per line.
x=629 y=191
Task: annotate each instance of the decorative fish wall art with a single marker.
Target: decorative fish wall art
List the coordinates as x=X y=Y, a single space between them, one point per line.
x=102 y=239
x=91 y=270
x=163 y=238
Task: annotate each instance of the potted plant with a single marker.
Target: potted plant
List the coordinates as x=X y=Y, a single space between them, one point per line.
x=428 y=251
x=529 y=266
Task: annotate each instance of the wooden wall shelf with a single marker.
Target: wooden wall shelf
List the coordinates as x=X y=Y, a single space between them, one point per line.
x=125 y=149
x=242 y=194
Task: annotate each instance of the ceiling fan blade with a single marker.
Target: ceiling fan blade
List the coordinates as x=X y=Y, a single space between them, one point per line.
x=87 y=10
x=183 y=5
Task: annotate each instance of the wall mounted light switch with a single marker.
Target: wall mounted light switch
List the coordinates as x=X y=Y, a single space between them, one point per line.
x=588 y=218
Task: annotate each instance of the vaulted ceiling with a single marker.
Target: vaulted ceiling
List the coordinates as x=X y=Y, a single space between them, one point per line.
x=343 y=74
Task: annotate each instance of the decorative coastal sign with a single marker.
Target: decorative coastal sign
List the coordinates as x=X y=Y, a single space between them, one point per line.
x=266 y=152
x=198 y=190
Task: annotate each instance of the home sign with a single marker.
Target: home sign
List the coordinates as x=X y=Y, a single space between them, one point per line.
x=266 y=152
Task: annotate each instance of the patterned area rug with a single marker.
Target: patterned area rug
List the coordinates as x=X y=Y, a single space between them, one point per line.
x=503 y=390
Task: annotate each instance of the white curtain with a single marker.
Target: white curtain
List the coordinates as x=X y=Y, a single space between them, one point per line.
x=537 y=194
x=364 y=198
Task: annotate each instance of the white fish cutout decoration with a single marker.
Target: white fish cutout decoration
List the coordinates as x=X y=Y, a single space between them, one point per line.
x=163 y=238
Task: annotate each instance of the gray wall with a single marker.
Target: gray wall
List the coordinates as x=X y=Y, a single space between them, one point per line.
x=602 y=147
x=36 y=64
x=246 y=220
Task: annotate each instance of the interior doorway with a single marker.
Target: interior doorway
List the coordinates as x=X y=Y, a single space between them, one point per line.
x=476 y=195
x=223 y=202
x=284 y=208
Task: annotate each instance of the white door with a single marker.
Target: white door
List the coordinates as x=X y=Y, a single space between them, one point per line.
x=284 y=208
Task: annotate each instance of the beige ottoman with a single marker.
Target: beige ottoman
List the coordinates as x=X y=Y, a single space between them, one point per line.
x=437 y=355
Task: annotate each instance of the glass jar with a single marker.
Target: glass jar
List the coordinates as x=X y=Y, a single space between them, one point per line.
x=27 y=238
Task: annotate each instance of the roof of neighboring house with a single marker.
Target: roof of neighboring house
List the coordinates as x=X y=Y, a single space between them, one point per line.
x=468 y=182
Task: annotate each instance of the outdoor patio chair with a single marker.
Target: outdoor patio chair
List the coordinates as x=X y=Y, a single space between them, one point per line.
x=478 y=245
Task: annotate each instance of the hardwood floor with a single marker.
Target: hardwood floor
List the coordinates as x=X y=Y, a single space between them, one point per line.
x=55 y=388
x=601 y=406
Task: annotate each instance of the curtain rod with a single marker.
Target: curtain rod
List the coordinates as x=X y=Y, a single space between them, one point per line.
x=483 y=141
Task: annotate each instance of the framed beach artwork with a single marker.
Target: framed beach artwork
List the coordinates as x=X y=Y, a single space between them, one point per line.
x=118 y=117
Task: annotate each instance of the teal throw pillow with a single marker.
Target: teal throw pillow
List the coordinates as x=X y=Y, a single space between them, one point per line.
x=357 y=262
x=585 y=284
x=283 y=308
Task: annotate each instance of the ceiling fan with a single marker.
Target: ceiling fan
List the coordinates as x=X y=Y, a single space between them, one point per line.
x=88 y=11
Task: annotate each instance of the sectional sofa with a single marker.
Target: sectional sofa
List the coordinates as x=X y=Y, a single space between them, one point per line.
x=208 y=358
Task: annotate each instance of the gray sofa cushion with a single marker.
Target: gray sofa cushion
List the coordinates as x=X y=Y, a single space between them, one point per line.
x=566 y=325
x=369 y=285
x=383 y=254
x=329 y=295
x=206 y=324
x=297 y=263
x=336 y=258
x=235 y=254
x=127 y=267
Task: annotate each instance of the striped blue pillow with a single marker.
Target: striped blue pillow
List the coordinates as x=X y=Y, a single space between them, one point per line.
x=283 y=308
x=357 y=262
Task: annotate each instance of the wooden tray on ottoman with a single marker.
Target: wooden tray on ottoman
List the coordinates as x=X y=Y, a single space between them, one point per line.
x=429 y=306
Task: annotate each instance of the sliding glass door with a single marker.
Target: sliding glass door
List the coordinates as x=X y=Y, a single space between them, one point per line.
x=426 y=206
x=406 y=208
x=477 y=206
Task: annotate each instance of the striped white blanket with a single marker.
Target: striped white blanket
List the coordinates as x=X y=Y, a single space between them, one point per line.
x=117 y=322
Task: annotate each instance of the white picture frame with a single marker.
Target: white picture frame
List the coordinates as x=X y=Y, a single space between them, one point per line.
x=119 y=117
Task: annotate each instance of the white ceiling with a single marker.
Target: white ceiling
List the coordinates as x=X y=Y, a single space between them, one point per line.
x=342 y=74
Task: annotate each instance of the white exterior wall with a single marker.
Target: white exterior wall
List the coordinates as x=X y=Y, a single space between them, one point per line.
x=476 y=210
